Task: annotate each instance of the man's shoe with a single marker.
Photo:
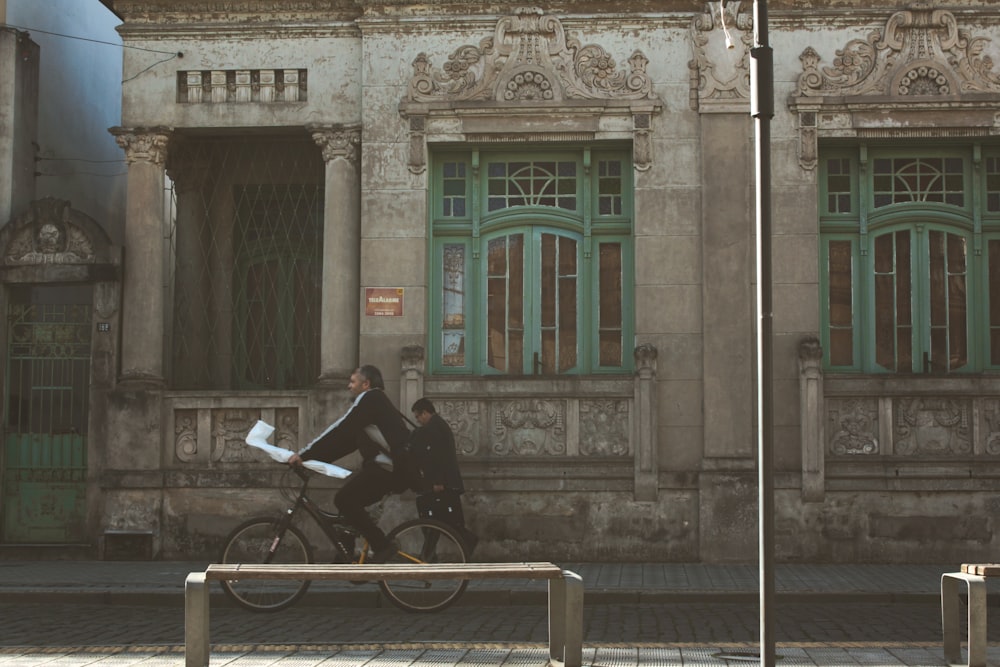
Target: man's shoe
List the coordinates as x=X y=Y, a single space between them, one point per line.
x=385 y=553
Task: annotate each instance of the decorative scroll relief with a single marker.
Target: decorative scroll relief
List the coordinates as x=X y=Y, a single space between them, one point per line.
x=853 y=426
x=919 y=53
x=931 y=426
x=220 y=434
x=604 y=427
x=991 y=425
x=720 y=82
x=531 y=62
x=463 y=417
x=241 y=85
x=529 y=58
x=529 y=427
x=48 y=235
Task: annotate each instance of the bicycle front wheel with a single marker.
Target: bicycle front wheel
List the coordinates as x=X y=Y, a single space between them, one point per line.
x=425 y=541
x=263 y=540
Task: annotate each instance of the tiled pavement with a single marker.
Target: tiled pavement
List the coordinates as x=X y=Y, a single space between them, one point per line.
x=644 y=614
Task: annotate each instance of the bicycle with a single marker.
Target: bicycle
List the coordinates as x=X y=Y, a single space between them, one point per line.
x=278 y=540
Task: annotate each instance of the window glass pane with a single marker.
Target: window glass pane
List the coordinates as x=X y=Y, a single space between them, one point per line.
x=558 y=303
x=958 y=352
x=453 y=188
x=522 y=183
x=567 y=303
x=838 y=185
x=610 y=304
x=893 y=346
x=453 y=305
x=993 y=184
x=496 y=304
x=609 y=197
x=841 y=303
x=946 y=264
x=920 y=179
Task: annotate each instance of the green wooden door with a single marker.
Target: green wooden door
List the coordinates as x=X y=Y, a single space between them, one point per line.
x=45 y=417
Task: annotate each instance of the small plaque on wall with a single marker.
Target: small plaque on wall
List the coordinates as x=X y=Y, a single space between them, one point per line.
x=384 y=301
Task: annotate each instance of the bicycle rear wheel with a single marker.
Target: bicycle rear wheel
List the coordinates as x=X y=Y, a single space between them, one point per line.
x=262 y=540
x=425 y=541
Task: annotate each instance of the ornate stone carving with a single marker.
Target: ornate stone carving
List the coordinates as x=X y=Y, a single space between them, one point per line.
x=143 y=144
x=337 y=142
x=645 y=360
x=920 y=60
x=463 y=417
x=854 y=426
x=529 y=58
x=604 y=427
x=931 y=426
x=991 y=420
x=720 y=82
x=242 y=86
x=921 y=51
x=529 y=427
x=48 y=235
x=186 y=434
x=229 y=428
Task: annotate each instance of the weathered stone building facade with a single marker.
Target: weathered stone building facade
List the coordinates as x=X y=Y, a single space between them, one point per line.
x=542 y=217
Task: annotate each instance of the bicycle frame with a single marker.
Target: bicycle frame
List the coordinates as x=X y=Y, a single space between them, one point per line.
x=328 y=522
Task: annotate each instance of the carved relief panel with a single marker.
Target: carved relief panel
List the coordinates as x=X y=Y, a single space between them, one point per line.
x=853 y=426
x=931 y=426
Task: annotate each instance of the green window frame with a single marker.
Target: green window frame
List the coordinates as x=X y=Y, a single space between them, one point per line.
x=909 y=249
x=532 y=264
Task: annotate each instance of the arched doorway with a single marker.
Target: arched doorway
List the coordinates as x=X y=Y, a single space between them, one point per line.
x=59 y=279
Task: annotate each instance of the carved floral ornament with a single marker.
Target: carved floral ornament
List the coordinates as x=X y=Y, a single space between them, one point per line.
x=51 y=233
x=920 y=61
x=530 y=62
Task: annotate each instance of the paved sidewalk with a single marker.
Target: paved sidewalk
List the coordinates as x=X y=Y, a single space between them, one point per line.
x=161 y=583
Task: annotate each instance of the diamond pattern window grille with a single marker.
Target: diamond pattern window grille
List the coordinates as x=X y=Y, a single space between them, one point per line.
x=247 y=243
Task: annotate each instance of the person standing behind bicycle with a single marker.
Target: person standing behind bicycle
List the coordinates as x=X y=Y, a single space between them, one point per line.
x=372 y=425
x=434 y=445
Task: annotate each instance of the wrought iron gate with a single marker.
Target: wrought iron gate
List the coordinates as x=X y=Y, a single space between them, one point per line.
x=45 y=430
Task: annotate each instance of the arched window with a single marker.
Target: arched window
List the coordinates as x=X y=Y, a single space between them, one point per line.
x=532 y=263
x=906 y=286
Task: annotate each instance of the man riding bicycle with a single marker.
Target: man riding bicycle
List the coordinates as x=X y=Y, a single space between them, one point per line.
x=373 y=426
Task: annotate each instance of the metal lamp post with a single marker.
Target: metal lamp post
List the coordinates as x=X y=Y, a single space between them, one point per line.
x=762 y=110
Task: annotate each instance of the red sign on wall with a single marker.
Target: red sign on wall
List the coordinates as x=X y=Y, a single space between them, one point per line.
x=384 y=301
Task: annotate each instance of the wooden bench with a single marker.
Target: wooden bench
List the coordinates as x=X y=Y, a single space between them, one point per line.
x=565 y=595
x=974 y=576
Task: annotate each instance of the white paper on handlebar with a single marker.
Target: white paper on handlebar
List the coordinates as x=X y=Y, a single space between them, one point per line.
x=261 y=431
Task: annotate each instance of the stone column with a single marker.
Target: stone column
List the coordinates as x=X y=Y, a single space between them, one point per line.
x=341 y=251
x=811 y=416
x=143 y=307
x=646 y=462
x=412 y=376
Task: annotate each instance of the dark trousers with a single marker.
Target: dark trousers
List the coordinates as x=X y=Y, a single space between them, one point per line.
x=446 y=506
x=363 y=488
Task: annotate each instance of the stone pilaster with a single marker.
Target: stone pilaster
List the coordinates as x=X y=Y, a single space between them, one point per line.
x=143 y=300
x=811 y=415
x=412 y=376
x=646 y=462
x=341 y=251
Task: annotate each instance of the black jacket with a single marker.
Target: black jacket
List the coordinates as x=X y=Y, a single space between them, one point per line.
x=434 y=446
x=371 y=419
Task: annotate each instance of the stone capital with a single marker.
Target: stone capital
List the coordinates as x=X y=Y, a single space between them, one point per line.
x=143 y=144
x=337 y=142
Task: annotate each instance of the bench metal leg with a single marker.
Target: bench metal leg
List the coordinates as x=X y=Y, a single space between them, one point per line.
x=196 y=638
x=566 y=619
x=951 y=606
